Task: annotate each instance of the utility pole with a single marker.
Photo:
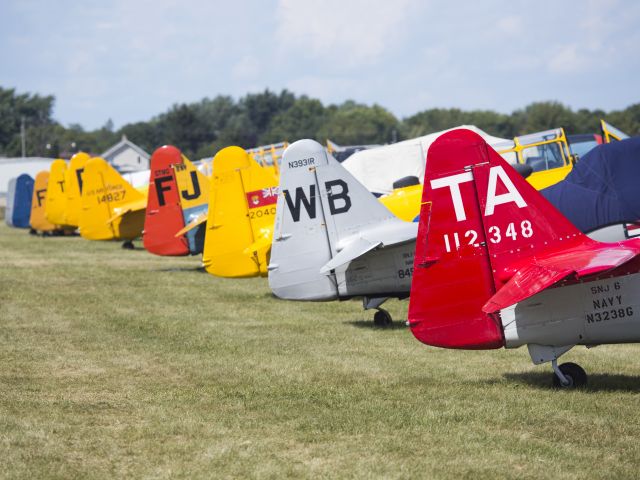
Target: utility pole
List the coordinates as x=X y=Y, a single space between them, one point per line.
x=23 y=140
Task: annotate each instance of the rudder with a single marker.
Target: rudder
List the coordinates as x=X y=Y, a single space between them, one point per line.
x=163 y=216
x=241 y=215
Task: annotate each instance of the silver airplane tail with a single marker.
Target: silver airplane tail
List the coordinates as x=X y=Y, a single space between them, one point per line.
x=325 y=222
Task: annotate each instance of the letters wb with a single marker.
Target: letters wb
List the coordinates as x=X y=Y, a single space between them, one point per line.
x=337 y=195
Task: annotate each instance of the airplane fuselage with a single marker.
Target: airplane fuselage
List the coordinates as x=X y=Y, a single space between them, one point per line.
x=594 y=312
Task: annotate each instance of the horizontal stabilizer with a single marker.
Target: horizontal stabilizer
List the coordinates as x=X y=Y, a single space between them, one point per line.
x=199 y=220
x=135 y=206
x=588 y=258
x=259 y=247
x=352 y=251
x=370 y=239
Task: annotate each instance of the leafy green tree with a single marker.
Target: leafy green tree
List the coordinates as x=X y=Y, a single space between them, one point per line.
x=303 y=119
x=438 y=119
x=543 y=116
x=354 y=124
x=34 y=109
x=627 y=120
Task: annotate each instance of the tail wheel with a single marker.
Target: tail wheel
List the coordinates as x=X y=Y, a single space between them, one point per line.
x=382 y=318
x=573 y=373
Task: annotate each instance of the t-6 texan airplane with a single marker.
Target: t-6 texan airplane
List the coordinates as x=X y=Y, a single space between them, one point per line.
x=333 y=239
x=496 y=265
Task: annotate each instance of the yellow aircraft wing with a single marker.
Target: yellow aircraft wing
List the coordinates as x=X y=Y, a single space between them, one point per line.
x=611 y=133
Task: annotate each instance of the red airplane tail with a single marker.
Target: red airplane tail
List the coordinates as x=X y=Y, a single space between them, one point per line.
x=482 y=229
x=164 y=213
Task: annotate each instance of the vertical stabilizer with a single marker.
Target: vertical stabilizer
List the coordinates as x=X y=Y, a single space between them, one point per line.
x=38 y=219
x=193 y=187
x=19 y=195
x=479 y=218
x=104 y=192
x=321 y=211
x=73 y=188
x=164 y=213
x=56 y=201
x=241 y=215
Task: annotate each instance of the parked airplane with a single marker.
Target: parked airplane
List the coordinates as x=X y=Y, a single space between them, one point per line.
x=112 y=208
x=333 y=239
x=241 y=211
x=38 y=219
x=64 y=191
x=178 y=194
x=496 y=265
x=56 y=201
x=611 y=133
x=19 y=195
x=73 y=188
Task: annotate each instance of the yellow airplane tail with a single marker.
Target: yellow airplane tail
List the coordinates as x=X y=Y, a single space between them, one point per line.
x=38 y=219
x=73 y=188
x=242 y=207
x=194 y=188
x=112 y=209
x=56 y=193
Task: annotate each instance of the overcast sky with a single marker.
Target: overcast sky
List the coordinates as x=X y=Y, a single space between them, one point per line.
x=129 y=60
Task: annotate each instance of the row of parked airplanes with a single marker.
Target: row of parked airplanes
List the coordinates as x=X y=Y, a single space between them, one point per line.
x=486 y=260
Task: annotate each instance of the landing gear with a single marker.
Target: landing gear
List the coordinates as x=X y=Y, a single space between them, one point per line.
x=568 y=375
x=382 y=318
x=128 y=245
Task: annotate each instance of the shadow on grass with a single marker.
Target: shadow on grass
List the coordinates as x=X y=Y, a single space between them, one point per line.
x=597 y=382
x=396 y=325
x=182 y=269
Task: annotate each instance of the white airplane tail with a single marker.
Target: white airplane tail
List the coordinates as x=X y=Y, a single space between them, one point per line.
x=325 y=219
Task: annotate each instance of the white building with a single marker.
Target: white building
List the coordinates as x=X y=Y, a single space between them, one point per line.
x=12 y=167
x=126 y=156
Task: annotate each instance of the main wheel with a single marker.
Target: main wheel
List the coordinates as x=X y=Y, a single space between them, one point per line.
x=574 y=373
x=382 y=318
x=128 y=245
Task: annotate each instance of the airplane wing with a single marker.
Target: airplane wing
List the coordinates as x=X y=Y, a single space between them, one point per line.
x=586 y=259
x=134 y=206
x=370 y=240
x=260 y=246
x=200 y=219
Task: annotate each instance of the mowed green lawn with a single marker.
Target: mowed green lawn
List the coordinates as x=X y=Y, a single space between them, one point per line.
x=120 y=364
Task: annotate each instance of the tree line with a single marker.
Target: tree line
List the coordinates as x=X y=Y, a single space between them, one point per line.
x=201 y=128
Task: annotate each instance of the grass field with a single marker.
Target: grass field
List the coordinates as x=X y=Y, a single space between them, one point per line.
x=119 y=364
